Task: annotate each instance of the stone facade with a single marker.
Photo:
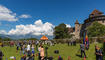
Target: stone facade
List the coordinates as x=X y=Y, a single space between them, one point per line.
x=94 y=16
x=77 y=29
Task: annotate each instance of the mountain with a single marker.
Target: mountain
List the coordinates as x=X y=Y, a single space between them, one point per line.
x=16 y=37
x=4 y=36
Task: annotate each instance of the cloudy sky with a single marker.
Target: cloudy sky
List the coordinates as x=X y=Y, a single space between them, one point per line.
x=38 y=17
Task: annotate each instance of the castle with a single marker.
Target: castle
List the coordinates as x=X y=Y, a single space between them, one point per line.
x=79 y=29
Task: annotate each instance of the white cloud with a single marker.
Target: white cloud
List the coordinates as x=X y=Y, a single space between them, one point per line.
x=37 y=28
x=24 y=16
x=6 y=14
x=3 y=32
x=67 y=25
x=38 y=22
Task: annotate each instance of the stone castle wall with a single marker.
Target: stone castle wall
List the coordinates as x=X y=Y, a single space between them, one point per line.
x=94 y=16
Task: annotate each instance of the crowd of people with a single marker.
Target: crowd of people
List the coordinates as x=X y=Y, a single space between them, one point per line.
x=98 y=51
x=72 y=43
x=28 y=50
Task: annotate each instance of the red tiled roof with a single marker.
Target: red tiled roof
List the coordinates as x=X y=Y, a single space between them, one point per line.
x=96 y=12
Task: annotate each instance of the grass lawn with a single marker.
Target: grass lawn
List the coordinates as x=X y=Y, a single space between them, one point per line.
x=64 y=51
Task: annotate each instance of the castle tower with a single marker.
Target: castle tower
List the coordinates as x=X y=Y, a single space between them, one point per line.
x=77 y=29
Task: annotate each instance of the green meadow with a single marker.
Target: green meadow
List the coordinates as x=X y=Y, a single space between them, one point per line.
x=64 y=52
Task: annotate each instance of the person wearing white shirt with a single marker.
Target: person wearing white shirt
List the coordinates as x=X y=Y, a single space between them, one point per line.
x=28 y=47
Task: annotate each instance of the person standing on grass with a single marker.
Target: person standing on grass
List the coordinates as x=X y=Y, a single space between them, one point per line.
x=1 y=55
x=17 y=46
x=33 y=50
x=68 y=43
x=101 y=55
x=28 y=49
x=39 y=49
x=98 y=53
x=36 y=43
x=82 y=48
x=42 y=53
x=23 y=48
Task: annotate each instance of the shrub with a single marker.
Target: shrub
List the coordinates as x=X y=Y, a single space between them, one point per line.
x=79 y=40
x=100 y=40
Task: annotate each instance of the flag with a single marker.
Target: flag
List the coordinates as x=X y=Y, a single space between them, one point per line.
x=86 y=42
x=86 y=39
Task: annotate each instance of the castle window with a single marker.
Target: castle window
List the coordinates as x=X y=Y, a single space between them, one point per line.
x=78 y=29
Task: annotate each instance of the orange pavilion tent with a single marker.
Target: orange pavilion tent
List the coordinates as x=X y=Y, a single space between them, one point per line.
x=43 y=38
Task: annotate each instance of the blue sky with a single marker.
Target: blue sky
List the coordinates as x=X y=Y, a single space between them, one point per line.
x=52 y=11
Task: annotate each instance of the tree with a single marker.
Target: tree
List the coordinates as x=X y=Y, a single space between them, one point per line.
x=32 y=39
x=96 y=30
x=6 y=39
x=29 y=39
x=0 y=39
x=61 y=31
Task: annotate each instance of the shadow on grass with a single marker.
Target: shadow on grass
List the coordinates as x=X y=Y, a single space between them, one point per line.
x=78 y=55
